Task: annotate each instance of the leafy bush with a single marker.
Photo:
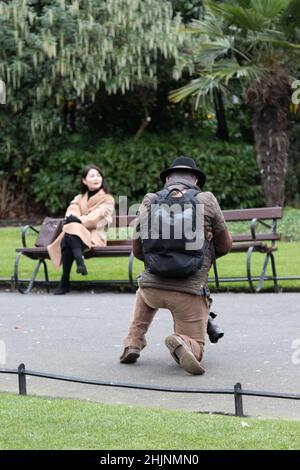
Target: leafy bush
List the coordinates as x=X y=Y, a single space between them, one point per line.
x=289 y=226
x=293 y=174
x=133 y=168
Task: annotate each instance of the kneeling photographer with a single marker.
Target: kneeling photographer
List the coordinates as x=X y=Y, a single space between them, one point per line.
x=176 y=267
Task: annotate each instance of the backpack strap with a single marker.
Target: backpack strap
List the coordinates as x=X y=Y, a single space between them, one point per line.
x=160 y=195
x=175 y=189
x=191 y=193
x=214 y=262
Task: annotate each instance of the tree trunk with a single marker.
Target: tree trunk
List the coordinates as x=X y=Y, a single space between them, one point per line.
x=272 y=155
x=269 y=102
x=222 y=130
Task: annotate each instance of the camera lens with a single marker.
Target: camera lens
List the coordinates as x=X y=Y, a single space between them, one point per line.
x=214 y=331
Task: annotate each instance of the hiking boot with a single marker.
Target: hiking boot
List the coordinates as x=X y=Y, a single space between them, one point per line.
x=183 y=355
x=130 y=355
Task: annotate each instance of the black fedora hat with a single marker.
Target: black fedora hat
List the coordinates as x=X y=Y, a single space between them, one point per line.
x=184 y=163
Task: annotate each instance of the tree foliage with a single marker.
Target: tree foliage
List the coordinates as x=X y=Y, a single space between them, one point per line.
x=188 y=9
x=244 y=42
x=60 y=50
x=238 y=40
x=54 y=50
x=133 y=168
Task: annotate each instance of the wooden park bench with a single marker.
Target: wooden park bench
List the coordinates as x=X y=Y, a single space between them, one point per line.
x=114 y=248
x=254 y=241
x=250 y=242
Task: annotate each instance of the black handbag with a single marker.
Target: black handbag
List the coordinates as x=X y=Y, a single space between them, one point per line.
x=49 y=231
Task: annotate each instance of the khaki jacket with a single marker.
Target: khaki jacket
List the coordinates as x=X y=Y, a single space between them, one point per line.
x=214 y=226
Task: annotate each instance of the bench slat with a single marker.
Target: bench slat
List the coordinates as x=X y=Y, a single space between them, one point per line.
x=259 y=246
x=257 y=213
x=101 y=251
x=34 y=252
x=259 y=237
x=119 y=242
x=108 y=251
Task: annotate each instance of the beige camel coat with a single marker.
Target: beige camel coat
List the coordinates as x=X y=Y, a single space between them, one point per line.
x=95 y=214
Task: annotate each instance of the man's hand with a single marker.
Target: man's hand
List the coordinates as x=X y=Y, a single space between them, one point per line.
x=208 y=236
x=137 y=249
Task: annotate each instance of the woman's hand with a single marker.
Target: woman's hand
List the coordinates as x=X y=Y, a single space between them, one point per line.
x=71 y=218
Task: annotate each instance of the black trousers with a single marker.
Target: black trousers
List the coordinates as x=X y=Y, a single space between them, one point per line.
x=72 y=248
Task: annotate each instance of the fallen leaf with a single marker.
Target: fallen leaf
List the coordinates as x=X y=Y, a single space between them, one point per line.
x=245 y=425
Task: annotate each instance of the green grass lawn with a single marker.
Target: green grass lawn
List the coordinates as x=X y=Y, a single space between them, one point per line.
x=287 y=262
x=44 y=423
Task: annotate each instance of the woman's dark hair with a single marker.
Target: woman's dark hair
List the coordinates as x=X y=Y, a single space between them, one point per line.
x=83 y=187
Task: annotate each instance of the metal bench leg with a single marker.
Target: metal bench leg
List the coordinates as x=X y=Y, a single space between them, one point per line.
x=33 y=277
x=249 y=254
x=274 y=272
x=16 y=269
x=263 y=273
x=46 y=275
x=130 y=267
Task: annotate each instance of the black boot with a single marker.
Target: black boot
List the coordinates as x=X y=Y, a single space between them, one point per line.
x=81 y=267
x=77 y=250
x=67 y=259
x=63 y=287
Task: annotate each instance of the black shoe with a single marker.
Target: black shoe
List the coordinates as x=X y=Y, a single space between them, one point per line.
x=61 y=290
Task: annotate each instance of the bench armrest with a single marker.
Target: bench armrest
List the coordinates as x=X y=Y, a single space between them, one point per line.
x=255 y=222
x=24 y=232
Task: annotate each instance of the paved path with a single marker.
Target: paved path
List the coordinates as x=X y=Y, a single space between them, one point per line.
x=81 y=334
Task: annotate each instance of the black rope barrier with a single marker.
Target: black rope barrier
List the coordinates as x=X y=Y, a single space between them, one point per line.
x=237 y=391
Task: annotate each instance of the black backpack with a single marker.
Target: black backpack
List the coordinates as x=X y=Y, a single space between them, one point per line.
x=169 y=256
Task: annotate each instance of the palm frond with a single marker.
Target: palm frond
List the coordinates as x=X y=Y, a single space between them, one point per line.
x=238 y=41
x=270 y=8
x=226 y=70
x=271 y=38
x=244 y=3
x=209 y=26
x=213 y=49
x=217 y=78
x=244 y=18
x=201 y=88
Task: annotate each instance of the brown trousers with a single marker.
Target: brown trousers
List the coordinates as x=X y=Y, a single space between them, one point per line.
x=189 y=311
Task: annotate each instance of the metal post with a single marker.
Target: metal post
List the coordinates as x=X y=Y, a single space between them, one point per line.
x=238 y=399
x=130 y=266
x=22 y=380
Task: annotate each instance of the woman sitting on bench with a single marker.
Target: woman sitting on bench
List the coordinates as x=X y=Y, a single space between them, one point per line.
x=85 y=226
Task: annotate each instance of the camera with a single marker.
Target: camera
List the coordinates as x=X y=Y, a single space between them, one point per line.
x=213 y=330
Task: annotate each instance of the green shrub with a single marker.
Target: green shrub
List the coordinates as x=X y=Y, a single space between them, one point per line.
x=133 y=168
x=293 y=175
